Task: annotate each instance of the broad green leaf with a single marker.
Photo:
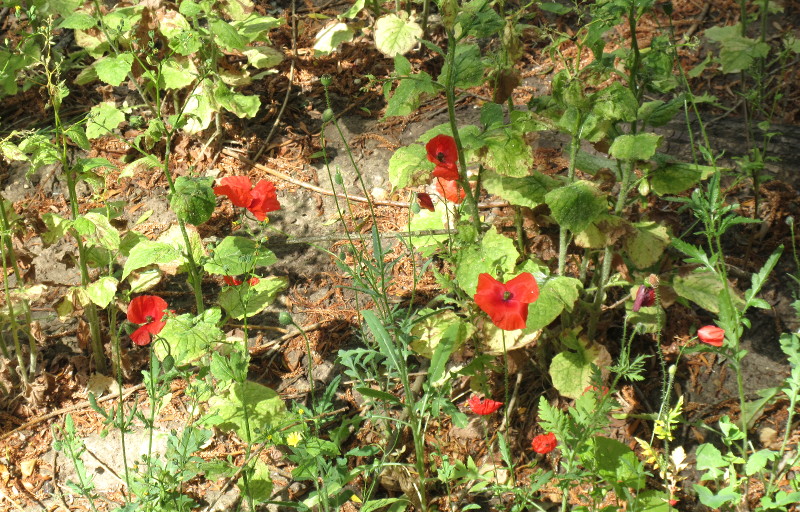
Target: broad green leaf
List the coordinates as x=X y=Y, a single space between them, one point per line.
x=737 y=53
x=507 y=152
x=239 y=104
x=174 y=237
x=139 y=165
x=659 y=113
x=641 y=146
x=576 y=205
x=603 y=232
x=263 y=57
x=495 y=341
x=758 y=461
x=177 y=73
x=703 y=288
x=331 y=36
x=265 y=409
x=57 y=227
x=236 y=255
x=427 y=220
x=571 y=372
x=526 y=191
x=259 y=486
x=113 y=70
x=674 y=178
x=409 y=167
x=396 y=34
x=496 y=254
x=616 y=463
x=78 y=20
x=707 y=497
x=237 y=9
x=354 y=9
x=102 y=291
x=226 y=35
x=188 y=337
x=647 y=244
x=173 y=24
x=186 y=42
x=193 y=200
x=429 y=331
x=77 y=134
x=556 y=294
x=469 y=67
x=147 y=253
x=246 y=300
x=61 y=7
x=103 y=118
x=199 y=109
x=102 y=233
x=615 y=103
x=408 y=94
x=255 y=27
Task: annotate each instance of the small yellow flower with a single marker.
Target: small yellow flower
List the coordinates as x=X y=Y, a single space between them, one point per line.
x=355 y=499
x=294 y=438
x=301 y=412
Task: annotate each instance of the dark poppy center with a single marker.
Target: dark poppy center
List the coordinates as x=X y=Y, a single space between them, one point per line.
x=507 y=295
x=441 y=156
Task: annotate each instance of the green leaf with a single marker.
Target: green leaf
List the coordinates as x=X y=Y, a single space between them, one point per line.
x=616 y=463
x=576 y=205
x=758 y=461
x=57 y=227
x=172 y=24
x=241 y=105
x=409 y=167
x=737 y=53
x=674 y=178
x=377 y=394
x=507 y=152
x=193 y=200
x=237 y=9
x=469 y=67
x=659 y=113
x=102 y=291
x=259 y=486
x=103 y=118
x=113 y=70
x=188 y=337
x=147 y=253
x=615 y=103
x=331 y=36
x=396 y=34
x=78 y=20
x=571 y=372
x=495 y=341
x=236 y=255
x=99 y=230
x=647 y=245
x=77 y=134
x=603 y=232
x=556 y=294
x=703 y=288
x=526 y=191
x=246 y=300
x=263 y=57
x=265 y=409
x=226 y=35
x=199 y=110
x=635 y=147
x=717 y=501
x=710 y=458
x=427 y=220
x=431 y=329
x=496 y=254
x=177 y=73
x=408 y=94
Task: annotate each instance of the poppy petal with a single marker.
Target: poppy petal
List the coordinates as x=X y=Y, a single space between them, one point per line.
x=446 y=172
x=544 y=443
x=237 y=188
x=524 y=288
x=483 y=406
x=450 y=190
x=231 y=281
x=264 y=199
x=712 y=335
x=425 y=201
x=442 y=149
x=145 y=308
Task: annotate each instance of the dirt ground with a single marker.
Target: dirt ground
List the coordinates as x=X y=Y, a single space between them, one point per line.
x=32 y=476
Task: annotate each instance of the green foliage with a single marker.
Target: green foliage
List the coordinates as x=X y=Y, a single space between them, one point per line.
x=495 y=255
x=193 y=200
x=248 y=300
x=576 y=205
x=264 y=410
x=236 y=255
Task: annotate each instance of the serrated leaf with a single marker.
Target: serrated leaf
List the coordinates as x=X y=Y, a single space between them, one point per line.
x=507 y=152
x=246 y=300
x=102 y=233
x=236 y=255
x=199 y=110
x=177 y=73
x=641 y=146
x=264 y=406
x=193 y=199
x=409 y=167
x=396 y=34
x=527 y=191
x=147 y=253
x=77 y=134
x=102 y=291
x=429 y=331
x=647 y=244
x=188 y=337
x=469 y=67
x=556 y=294
x=103 y=118
x=615 y=103
x=496 y=254
x=603 y=232
x=571 y=372
x=703 y=288
x=408 y=94
x=576 y=205
x=114 y=69
x=674 y=178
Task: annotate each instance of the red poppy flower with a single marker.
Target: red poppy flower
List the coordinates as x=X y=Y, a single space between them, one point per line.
x=483 y=406
x=425 y=201
x=147 y=310
x=507 y=304
x=232 y=281
x=645 y=297
x=442 y=150
x=712 y=335
x=544 y=443
x=259 y=199
x=450 y=190
x=446 y=172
